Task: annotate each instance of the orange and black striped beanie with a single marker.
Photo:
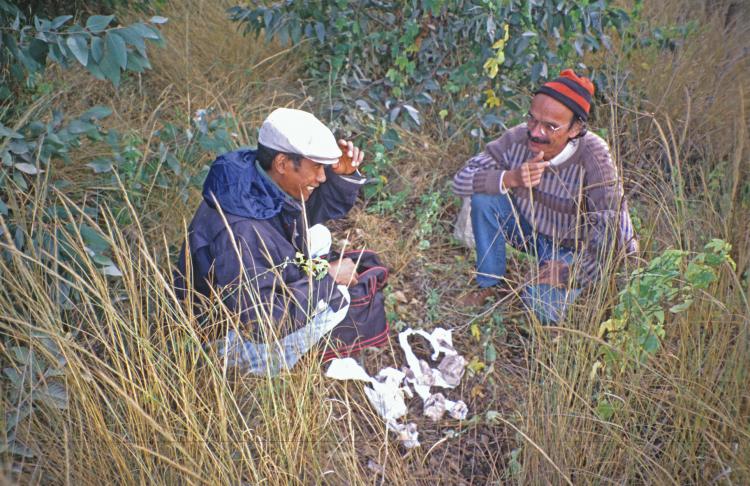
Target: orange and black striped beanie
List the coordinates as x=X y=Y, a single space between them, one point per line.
x=571 y=90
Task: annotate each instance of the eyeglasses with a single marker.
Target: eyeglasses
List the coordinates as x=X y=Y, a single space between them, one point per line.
x=546 y=128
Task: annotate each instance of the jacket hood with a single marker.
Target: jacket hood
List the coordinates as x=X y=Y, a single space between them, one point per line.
x=240 y=189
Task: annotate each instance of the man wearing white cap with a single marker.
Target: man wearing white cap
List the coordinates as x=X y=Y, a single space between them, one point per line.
x=255 y=237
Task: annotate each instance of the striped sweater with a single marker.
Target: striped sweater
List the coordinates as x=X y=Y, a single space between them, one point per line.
x=578 y=203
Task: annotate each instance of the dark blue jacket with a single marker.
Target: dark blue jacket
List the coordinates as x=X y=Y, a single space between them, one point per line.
x=266 y=227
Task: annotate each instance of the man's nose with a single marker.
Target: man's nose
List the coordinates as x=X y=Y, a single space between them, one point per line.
x=321 y=177
x=537 y=131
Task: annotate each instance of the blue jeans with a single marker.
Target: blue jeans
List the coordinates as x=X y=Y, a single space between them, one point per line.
x=495 y=223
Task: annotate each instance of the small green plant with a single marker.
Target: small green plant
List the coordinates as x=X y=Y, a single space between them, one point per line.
x=380 y=169
x=316 y=267
x=433 y=305
x=431 y=205
x=667 y=283
x=638 y=323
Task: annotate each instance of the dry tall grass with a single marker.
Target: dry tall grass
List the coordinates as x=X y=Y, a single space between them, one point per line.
x=147 y=404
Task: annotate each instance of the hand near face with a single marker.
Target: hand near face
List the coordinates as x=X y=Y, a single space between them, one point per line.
x=529 y=174
x=350 y=161
x=343 y=271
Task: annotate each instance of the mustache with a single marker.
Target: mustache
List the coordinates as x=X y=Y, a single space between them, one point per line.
x=536 y=139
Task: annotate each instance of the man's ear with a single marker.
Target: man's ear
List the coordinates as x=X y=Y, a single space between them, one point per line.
x=280 y=164
x=578 y=128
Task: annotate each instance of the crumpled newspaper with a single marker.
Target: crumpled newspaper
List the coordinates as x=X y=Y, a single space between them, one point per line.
x=386 y=393
x=436 y=405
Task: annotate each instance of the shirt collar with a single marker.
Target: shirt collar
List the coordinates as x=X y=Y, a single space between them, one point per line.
x=287 y=198
x=565 y=154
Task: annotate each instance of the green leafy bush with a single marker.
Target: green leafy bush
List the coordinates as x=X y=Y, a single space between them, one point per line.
x=103 y=48
x=668 y=283
x=475 y=57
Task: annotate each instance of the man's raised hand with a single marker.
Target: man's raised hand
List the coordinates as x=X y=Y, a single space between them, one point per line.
x=350 y=160
x=529 y=174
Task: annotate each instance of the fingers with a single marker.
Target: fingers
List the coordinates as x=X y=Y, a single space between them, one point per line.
x=533 y=169
x=351 y=152
x=357 y=155
x=347 y=147
x=531 y=176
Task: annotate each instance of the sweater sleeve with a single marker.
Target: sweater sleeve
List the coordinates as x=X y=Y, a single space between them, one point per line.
x=482 y=173
x=475 y=168
x=603 y=197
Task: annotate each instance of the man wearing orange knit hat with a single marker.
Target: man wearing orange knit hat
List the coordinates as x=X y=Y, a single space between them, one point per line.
x=550 y=188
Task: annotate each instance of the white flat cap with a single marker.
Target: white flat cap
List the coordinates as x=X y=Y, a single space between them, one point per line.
x=299 y=132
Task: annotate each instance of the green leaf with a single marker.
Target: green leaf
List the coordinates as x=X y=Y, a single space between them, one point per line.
x=492 y=416
x=174 y=164
x=7 y=132
x=110 y=67
x=100 y=166
x=3 y=208
x=145 y=31
x=137 y=63
x=14 y=417
x=19 y=449
x=700 y=275
x=20 y=182
x=490 y=354
x=681 y=307
x=13 y=375
x=115 y=46
x=22 y=354
x=320 y=31
x=97 y=112
x=15 y=447
x=28 y=168
x=95 y=70
x=97 y=49
x=38 y=51
x=133 y=38
x=59 y=54
x=55 y=395
x=93 y=239
x=651 y=344
x=112 y=271
x=79 y=48
x=605 y=410
x=19 y=147
x=77 y=127
x=97 y=23
x=59 y=21
x=102 y=260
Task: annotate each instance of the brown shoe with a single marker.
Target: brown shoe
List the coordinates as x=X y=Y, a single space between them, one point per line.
x=479 y=297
